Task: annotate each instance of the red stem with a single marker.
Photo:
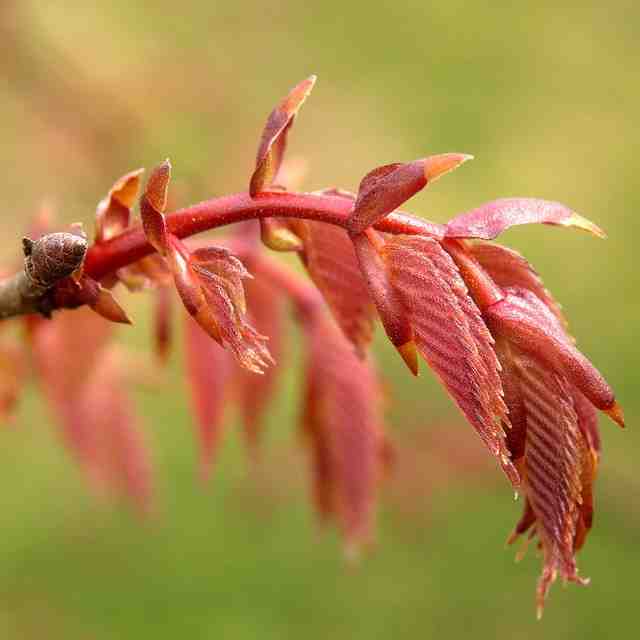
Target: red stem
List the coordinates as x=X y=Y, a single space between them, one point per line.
x=131 y=245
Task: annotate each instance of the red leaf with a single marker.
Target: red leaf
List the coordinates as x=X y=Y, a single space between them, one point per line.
x=209 y=282
x=509 y=269
x=274 y=137
x=209 y=374
x=527 y=323
x=491 y=219
x=331 y=261
x=553 y=469
x=387 y=299
x=84 y=387
x=386 y=188
x=342 y=422
x=266 y=312
x=451 y=335
x=112 y=214
x=152 y=205
x=13 y=371
x=122 y=460
x=162 y=322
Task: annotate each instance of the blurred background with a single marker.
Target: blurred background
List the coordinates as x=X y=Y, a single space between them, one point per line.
x=546 y=97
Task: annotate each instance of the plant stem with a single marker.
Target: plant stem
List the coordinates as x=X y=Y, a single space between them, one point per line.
x=131 y=245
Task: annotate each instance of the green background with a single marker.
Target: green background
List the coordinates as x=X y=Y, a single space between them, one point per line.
x=546 y=97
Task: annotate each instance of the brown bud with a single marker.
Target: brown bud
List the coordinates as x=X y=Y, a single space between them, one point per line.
x=53 y=257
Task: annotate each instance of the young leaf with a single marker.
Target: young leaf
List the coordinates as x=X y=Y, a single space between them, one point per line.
x=162 y=322
x=451 y=335
x=491 y=219
x=332 y=264
x=113 y=212
x=508 y=268
x=152 y=205
x=274 y=137
x=13 y=371
x=266 y=312
x=555 y=478
x=342 y=424
x=386 y=298
x=209 y=374
x=386 y=188
x=121 y=455
x=527 y=323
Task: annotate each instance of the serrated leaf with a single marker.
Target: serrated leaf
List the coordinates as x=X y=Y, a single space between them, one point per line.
x=553 y=469
x=209 y=374
x=331 y=261
x=528 y=324
x=266 y=312
x=209 y=284
x=451 y=335
x=508 y=268
x=384 y=189
x=342 y=424
x=491 y=219
x=386 y=298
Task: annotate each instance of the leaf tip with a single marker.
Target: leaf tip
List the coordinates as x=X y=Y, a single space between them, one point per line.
x=437 y=166
x=580 y=222
x=616 y=414
x=409 y=354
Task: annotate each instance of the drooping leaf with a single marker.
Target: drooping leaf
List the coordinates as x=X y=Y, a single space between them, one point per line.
x=342 y=425
x=85 y=389
x=451 y=335
x=209 y=371
x=509 y=269
x=274 y=137
x=553 y=469
x=162 y=322
x=13 y=372
x=266 y=312
x=386 y=188
x=208 y=280
x=331 y=261
x=529 y=325
x=387 y=300
x=491 y=219
x=122 y=457
x=113 y=212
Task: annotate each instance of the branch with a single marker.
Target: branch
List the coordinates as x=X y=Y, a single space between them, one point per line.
x=131 y=245
x=48 y=260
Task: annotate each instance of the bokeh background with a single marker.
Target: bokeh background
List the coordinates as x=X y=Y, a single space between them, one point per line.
x=547 y=99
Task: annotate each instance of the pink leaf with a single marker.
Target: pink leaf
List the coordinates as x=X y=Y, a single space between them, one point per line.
x=384 y=189
x=508 y=268
x=332 y=264
x=342 y=423
x=491 y=219
x=527 y=323
x=274 y=137
x=112 y=214
x=552 y=469
x=209 y=374
x=266 y=313
x=152 y=206
x=451 y=335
